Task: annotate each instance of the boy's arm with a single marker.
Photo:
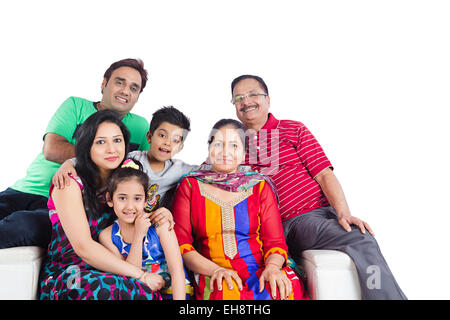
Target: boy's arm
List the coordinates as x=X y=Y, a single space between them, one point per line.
x=61 y=177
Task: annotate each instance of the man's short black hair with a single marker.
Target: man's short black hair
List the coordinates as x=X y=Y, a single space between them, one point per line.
x=171 y=115
x=136 y=64
x=249 y=76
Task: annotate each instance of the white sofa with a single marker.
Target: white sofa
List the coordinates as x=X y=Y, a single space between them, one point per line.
x=19 y=272
x=331 y=275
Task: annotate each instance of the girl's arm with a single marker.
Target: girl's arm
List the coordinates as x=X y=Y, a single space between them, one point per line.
x=135 y=255
x=69 y=205
x=105 y=239
x=141 y=225
x=169 y=244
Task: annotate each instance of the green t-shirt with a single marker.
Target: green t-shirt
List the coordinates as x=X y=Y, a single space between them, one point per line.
x=65 y=122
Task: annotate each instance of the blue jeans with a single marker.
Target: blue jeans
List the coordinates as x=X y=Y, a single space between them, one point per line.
x=24 y=220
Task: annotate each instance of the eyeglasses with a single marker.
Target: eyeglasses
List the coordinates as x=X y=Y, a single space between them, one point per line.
x=250 y=96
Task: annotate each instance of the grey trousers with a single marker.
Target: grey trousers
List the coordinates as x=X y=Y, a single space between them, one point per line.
x=319 y=229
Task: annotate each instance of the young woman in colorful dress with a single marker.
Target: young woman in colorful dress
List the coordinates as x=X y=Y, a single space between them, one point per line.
x=76 y=265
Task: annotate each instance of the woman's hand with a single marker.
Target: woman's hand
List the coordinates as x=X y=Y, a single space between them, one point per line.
x=276 y=278
x=154 y=281
x=160 y=217
x=61 y=177
x=221 y=273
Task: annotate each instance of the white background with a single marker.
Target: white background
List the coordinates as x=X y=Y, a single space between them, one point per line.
x=369 y=78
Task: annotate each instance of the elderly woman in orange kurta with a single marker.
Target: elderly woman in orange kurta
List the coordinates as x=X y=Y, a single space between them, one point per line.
x=229 y=228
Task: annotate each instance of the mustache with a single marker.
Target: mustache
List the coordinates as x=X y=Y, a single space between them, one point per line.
x=243 y=108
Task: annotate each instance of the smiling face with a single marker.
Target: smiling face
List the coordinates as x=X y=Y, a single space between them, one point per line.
x=108 y=148
x=226 y=151
x=121 y=91
x=252 y=111
x=165 y=142
x=128 y=200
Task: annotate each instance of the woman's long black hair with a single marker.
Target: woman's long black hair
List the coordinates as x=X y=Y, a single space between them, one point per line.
x=87 y=170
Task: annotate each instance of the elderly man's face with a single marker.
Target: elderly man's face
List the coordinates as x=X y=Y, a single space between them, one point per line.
x=252 y=111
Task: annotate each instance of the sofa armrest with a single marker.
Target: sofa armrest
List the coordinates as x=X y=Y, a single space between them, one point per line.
x=331 y=275
x=19 y=272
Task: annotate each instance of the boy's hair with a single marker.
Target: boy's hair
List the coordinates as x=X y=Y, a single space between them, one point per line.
x=122 y=174
x=171 y=115
x=136 y=64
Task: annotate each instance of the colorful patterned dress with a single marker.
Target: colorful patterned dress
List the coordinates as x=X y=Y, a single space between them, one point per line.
x=64 y=275
x=237 y=235
x=153 y=259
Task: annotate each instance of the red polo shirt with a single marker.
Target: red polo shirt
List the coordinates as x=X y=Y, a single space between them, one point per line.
x=287 y=152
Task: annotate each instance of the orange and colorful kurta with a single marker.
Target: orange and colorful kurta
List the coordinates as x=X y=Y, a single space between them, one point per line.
x=237 y=235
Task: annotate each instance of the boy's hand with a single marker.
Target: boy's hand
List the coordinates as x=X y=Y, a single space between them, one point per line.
x=141 y=225
x=161 y=216
x=61 y=177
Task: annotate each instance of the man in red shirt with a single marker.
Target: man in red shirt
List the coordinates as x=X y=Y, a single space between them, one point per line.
x=312 y=203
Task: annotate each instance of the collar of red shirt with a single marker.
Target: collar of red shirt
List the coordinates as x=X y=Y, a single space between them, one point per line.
x=272 y=123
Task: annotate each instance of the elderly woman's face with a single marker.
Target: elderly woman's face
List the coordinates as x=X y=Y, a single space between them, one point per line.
x=226 y=151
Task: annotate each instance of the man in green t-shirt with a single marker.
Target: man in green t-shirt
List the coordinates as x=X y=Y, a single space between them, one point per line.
x=24 y=217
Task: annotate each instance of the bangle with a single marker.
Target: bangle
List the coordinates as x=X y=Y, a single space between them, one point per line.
x=142 y=276
x=219 y=268
x=274 y=264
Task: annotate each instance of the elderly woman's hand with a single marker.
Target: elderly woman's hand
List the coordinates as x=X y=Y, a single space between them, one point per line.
x=276 y=278
x=229 y=275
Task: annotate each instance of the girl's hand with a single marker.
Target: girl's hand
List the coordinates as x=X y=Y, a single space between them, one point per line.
x=161 y=216
x=154 y=281
x=61 y=177
x=141 y=225
x=276 y=278
x=221 y=273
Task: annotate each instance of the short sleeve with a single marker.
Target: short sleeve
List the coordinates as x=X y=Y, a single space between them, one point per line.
x=311 y=152
x=64 y=121
x=138 y=127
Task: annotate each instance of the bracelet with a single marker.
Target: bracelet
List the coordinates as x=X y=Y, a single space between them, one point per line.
x=219 y=268
x=274 y=264
x=142 y=276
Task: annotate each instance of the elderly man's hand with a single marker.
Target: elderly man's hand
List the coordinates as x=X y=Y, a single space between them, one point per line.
x=347 y=220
